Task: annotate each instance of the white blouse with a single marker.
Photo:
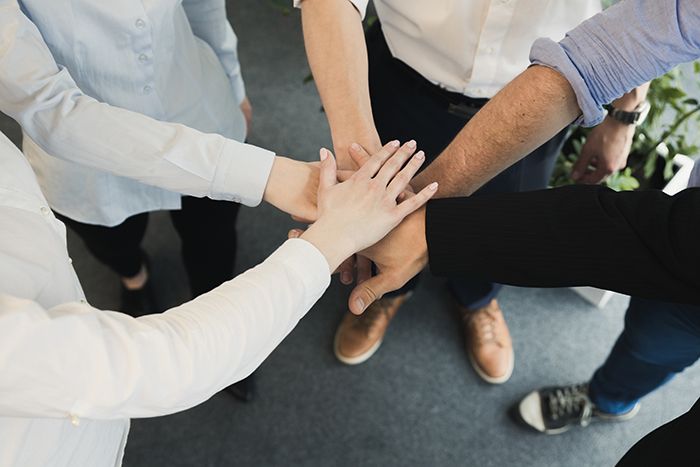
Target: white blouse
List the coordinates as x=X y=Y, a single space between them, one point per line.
x=71 y=375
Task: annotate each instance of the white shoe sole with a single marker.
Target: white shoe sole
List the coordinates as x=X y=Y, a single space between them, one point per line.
x=358 y=359
x=491 y=379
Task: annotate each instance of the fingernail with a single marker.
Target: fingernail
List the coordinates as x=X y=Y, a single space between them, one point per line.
x=355 y=147
x=324 y=154
x=394 y=144
x=411 y=144
x=360 y=304
x=420 y=156
x=294 y=234
x=433 y=186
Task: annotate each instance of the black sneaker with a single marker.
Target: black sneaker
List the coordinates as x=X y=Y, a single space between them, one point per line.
x=244 y=390
x=556 y=409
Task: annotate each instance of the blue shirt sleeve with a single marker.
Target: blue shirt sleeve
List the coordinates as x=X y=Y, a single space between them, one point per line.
x=621 y=48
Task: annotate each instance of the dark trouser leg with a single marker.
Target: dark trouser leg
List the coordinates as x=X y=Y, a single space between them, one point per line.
x=659 y=340
x=118 y=247
x=405 y=107
x=207 y=229
x=674 y=443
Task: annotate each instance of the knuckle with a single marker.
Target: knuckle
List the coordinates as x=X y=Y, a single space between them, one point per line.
x=370 y=294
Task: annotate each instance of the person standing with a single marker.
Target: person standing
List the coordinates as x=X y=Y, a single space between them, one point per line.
x=73 y=375
x=175 y=61
x=427 y=68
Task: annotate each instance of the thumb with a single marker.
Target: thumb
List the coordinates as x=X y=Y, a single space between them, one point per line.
x=327 y=177
x=368 y=291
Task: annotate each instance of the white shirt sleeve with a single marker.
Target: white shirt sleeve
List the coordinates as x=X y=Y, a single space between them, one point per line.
x=68 y=124
x=74 y=360
x=360 y=6
x=209 y=22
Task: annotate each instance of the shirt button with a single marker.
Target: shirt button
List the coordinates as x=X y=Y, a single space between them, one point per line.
x=140 y=23
x=143 y=58
x=45 y=211
x=147 y=89
x=74 y=420
x=70 y=260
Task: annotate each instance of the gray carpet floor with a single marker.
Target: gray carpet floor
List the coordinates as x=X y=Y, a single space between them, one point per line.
x=416 y=402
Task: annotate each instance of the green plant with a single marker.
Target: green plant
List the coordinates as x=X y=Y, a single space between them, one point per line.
x=656 y=142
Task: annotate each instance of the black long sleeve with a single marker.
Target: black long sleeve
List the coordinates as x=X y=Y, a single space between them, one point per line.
x=642 y=243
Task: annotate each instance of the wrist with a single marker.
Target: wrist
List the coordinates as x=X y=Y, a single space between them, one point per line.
x=272 y=188
x=334 y=246
x=365 y=137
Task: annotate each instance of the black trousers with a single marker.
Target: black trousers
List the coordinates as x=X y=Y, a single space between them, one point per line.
x=407 y=106
x=674 y=443
x=207 y=229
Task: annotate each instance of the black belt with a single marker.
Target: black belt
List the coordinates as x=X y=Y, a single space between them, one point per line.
x=456 y=103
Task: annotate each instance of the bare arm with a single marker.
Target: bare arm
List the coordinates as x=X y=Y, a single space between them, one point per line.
x=523 y=115
x=337 y=53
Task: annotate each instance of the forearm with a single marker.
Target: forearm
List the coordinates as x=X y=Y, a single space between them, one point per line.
x=337 y=54
x=67 y=124
x=629 y=101
x=73 y=359
x=534 y=239
x=525 y=114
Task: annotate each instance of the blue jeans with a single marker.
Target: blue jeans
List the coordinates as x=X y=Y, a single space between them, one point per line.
x=659 y=340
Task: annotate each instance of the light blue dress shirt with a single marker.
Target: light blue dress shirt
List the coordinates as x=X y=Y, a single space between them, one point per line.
x=173 y=60
x=627 y=45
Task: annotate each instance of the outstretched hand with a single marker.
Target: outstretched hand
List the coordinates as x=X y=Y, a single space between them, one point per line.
x=355 y=214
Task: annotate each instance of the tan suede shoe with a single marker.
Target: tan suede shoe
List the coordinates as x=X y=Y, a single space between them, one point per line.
x=359 y=337
x=488 y=343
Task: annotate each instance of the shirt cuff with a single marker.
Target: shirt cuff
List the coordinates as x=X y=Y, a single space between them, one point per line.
x=360 y=6
x=548 y=53
x=242 y=173
x=309 y=265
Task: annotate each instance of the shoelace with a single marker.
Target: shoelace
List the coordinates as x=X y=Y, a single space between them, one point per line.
x=569 y=401
x=486 y=328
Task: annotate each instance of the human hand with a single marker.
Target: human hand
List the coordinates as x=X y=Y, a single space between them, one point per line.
x=292 y=187
x=399 y=256
x=354 y=214
x=247 y=110
x=605 y=151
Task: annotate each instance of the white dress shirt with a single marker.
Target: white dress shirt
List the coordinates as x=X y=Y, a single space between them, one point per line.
x=71 y=375
x=473 y=47
x=172 y=60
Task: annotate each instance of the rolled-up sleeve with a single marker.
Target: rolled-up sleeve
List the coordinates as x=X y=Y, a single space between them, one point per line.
x=360 y=6
x=69 y=125
x=621 y=48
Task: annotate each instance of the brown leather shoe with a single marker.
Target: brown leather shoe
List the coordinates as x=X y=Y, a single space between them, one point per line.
x=488 y=343
x=359 y=337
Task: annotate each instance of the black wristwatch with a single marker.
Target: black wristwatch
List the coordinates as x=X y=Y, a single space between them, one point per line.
x=636 y=117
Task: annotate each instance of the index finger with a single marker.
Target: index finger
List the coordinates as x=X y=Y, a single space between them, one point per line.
x=372 y=166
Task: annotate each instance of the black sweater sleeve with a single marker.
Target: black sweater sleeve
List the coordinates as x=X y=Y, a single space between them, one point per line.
x=642 y=243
